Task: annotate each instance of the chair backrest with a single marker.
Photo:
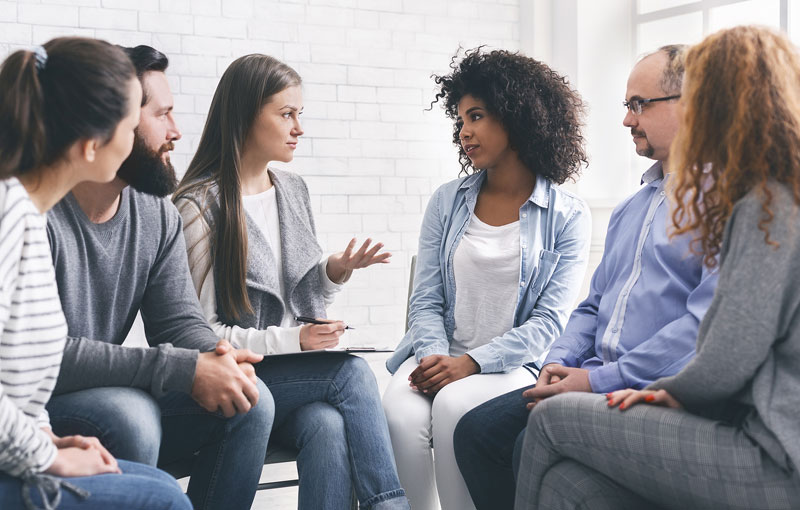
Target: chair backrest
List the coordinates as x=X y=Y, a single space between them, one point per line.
x=410 y=285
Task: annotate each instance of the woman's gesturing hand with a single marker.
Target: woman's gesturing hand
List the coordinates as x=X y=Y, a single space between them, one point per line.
x=341 y=265
x=627 y=398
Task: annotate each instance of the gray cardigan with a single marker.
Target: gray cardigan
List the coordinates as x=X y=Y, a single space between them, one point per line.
x=747 y=368
x=299 y=250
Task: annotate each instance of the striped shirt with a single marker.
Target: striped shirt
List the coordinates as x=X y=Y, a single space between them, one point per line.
x=32 y=333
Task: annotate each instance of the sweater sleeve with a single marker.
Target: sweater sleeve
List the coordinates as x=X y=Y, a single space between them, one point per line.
x=97 y=364
x=758 y=283
x=273 y=340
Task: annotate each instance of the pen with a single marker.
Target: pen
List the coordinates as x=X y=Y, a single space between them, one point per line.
x=311 y=320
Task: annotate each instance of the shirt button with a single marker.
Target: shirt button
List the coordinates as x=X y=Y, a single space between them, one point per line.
x=662 y=193
x=522 y=283
x=614 y=330
x=524 y=215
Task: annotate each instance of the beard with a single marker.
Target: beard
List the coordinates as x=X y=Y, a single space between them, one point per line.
x=647 y=151
x=146 y=171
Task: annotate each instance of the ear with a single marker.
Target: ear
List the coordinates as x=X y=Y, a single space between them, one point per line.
x=88 y=149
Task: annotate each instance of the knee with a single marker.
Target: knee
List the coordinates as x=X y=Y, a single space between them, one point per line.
x=449 y=406
x=359 y=373
x=325 y=424
x=262 y=414
x=128 y=423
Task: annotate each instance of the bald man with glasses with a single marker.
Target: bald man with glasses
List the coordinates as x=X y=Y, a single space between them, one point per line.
x=646 y=300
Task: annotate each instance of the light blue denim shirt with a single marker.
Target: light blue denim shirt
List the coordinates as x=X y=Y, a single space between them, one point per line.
x=646 y=300
x=555 y=231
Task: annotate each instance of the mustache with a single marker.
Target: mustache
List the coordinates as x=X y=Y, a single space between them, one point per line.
x=636 y=132
x=166 y=147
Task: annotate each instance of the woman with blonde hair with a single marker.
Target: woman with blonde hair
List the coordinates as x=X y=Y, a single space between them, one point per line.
x=723 y=432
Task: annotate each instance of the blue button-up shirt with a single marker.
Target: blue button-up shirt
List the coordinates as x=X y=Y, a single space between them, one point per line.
x=646 y=300
x=555 y=228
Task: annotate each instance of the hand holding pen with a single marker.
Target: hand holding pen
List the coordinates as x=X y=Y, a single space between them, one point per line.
x=319 y=333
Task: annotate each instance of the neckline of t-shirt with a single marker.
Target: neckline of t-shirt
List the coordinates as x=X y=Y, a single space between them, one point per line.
x=507 y=226
x=261 y=195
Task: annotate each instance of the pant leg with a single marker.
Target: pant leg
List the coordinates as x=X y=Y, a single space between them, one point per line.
x=231 y=450
x=483 y=442
x=569 y=485
x=449 y=405
x=408 y=414
x=668 y=456
x=347 y=384
x=126 y=420
x=317 y=431
x=139 y=487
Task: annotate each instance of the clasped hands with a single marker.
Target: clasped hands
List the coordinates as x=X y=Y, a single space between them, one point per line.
x=225 y=380
x=80 y=456
x=555 y=379
x=438 y=370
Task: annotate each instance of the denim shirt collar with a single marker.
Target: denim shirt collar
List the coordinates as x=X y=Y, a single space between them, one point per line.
x=540 y=195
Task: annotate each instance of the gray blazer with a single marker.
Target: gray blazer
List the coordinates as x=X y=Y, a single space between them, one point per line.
x=299 y=250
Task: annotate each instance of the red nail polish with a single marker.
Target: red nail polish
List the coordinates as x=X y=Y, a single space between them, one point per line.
x=649 y=398
x=622 y=406
x=609 y=396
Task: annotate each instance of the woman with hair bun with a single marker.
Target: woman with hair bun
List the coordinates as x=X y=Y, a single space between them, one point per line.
x=502 y=253
x=68 y=112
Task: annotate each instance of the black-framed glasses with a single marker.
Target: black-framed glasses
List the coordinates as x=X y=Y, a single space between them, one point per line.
x=635 y=105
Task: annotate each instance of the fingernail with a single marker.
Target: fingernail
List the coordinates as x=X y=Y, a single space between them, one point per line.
x=649 y=398
x=622 y=406
x=609 y=396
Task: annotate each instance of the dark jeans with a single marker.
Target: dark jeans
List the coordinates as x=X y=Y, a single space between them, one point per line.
x=487 y=442
x=135 y=426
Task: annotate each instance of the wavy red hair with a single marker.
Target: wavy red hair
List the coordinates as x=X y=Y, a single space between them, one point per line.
x=740 y=128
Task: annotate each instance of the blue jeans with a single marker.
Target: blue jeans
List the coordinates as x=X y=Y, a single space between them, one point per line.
x=139 y=487
x=327 y=406
x=135 y=426
x=487 y=441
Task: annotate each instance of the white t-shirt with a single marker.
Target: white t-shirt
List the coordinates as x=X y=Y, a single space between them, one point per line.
x=263 y=208
x=486 y=266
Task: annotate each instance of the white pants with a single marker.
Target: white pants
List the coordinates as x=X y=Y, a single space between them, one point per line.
x=414 y=419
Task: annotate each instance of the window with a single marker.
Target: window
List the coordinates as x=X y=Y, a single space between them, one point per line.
x=660 y=22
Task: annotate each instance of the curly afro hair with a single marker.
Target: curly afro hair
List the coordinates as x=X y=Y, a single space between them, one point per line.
x=541 y=114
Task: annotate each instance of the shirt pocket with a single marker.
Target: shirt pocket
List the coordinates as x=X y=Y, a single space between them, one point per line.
x=548 y=260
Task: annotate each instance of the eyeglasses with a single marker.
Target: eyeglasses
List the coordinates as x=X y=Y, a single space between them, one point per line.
x=635 y=105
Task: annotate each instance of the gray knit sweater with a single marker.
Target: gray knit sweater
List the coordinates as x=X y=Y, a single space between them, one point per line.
x=747 y=368
x=107 y=273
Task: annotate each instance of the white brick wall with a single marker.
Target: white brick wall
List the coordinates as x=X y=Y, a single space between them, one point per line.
x=371 y=154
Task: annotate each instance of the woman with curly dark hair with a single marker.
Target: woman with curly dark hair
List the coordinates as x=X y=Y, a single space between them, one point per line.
x=502 y=253
x=723 y=432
